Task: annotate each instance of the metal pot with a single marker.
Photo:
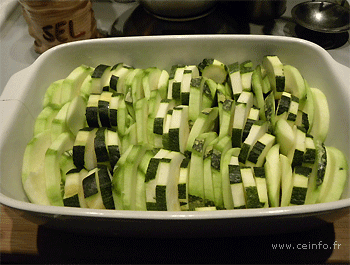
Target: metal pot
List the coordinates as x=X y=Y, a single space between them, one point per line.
x=263 y=10
x=179 y=8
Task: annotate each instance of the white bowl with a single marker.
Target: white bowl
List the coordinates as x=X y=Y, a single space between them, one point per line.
x=21 y=101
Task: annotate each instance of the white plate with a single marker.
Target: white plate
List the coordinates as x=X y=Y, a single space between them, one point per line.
x=21 y=101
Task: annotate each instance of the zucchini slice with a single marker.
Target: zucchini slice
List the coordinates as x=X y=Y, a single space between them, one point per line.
x=182 y=186
x=237 y=189
x=63 y=143
x=273 y=175
x=196 y=98
x=275 y=72
x=235 y=79
x=204 y=123
x=213 y=69
x=260 y=180
x=75 y=118
x=243 y=105
x=246 y=70
x=52 y=95
x=33 y=173
x=80 y=142
x=250 y=188
x=258 y=129
x=300 y=182
x=179 y=129
x=339 y=175
x=166 y=190
x=286 y=180
x=209 y=92
x=196 y=189
x=72 y=83
x=294 y=82
x=92 y=115
x=73 y=189
x=321 y=120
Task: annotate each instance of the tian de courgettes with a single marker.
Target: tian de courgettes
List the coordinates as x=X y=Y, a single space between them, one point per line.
x=206 y=136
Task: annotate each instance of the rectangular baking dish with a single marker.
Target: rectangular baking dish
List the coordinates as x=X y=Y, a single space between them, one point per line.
x=21 y=102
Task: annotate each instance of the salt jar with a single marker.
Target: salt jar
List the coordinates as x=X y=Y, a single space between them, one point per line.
x=53 y=22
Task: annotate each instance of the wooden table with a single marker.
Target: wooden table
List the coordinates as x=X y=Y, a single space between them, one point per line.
x=23 y=242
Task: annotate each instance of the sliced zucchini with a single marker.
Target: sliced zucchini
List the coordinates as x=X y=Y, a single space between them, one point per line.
x=260 y=180
x=92 y=117
x=183 y=184
x=227 y=112
x=250 y=188
x=140 y=198
x=293 y=110
x=204 y=123
x=44 y=119
x=52 y=95
x=179 y=129
x=275 y=72
x=100 y=147
x=196 y=98
x=174 y=85
x=243 y=106
x=163 y=84
x=59 y=123
x=219 y=150
x=76 y=115
x=150 y=80
x=118 y=179
x=339 y=175
x=286 y=180
x=141 y=115
x=285 y=136
x=273 y=175
x=283 y=105
x=257 y=88
x=226 y=160
x=80 y=142
x=167 y=179
x=300 y=182
x=72 y=83
x=321 y=121
x=33 y=171
x=320 y=170
x=73 y=189
x=253 y=116
x=150 y=178
x=294 y=82
x=165 y=135
x=213 y=69
x=63 y=143
x=246 y=70
x=92 y=193
x=235 y=80
x=259 y=151
x=160 y=118
x=237 y=189
x=259 y=128
x=196 y=188
x=98 y=78
x=128 y=192
x=113 y=147
x=90 y=160
x=66 y=164
x=209 y=92
x=103 y=108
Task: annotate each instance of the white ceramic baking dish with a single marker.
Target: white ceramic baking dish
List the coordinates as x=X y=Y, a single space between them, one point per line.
x=22 y=98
